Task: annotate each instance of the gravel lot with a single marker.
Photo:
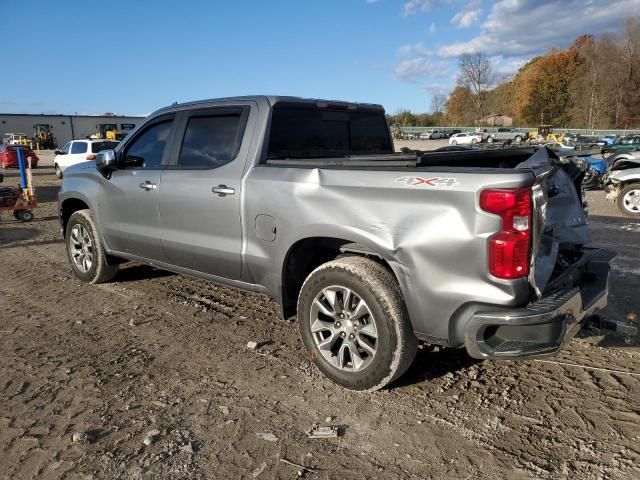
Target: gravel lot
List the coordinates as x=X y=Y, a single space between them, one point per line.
x=149 y=377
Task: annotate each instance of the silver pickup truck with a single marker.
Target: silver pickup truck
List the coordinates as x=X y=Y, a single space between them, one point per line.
x=372 y=250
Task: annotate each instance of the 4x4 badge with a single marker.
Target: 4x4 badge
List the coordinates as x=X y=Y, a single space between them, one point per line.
x=428 y=182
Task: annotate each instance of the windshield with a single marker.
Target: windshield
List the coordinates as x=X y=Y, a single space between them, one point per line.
x=304 y=131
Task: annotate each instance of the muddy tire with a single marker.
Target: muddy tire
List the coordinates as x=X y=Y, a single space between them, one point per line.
x=629 y=200
x=354 y=323
x=89 y=262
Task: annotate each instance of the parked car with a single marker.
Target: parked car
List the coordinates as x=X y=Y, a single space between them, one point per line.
x=9 y=156
x=266 y=194
x=624 y=144
x=594 y=173
x=433 y=134
x=504 y=134
x=465 y=138
x=609 y=139
x=78 y=151
x=583 y=142
x=622 y=182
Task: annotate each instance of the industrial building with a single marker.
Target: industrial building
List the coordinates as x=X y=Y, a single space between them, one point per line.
x=65 y=127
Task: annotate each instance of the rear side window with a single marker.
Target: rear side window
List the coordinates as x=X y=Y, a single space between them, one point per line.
x=79 y=147
x=310 y=132
x=210 y=141
x=146 y=150
x=98 y=146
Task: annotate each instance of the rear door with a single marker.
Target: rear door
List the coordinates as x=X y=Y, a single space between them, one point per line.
x=128 y=200
x=200 y=201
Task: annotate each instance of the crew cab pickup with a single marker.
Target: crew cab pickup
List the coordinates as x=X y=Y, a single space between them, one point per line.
x=504 y=134
x=372 y=250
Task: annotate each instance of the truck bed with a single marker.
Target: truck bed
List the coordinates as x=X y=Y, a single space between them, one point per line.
x=467 y=158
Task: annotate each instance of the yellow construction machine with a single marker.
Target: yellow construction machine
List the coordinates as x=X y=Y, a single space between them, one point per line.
x=545 y=134
x=108 y=131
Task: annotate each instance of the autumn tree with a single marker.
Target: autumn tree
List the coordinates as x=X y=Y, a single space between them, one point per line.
x=459 y=106
x=550 y=99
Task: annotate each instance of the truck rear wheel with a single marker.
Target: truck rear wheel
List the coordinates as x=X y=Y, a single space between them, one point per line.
x=629 y=200
x=354 y=323
x=89 y=262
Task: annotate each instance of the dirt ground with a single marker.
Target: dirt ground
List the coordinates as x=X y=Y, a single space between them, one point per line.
x=88 y=372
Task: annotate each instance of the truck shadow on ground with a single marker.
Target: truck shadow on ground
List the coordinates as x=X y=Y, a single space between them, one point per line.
x=136 y=273
x=435 y=362
x=9 y=234
x=47 y=193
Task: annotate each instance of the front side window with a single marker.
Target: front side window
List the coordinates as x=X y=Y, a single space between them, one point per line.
x=147 y=149
x=66 y=148
x=210 y=141
x=79 y=147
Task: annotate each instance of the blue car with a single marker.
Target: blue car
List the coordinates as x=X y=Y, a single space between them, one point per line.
x=593 y=176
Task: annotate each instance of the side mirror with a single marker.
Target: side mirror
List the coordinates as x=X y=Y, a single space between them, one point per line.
x=106 y=161
x=57 y=152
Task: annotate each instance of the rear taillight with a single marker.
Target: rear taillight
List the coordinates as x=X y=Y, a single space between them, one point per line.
x=510 y=248
x=91 y=157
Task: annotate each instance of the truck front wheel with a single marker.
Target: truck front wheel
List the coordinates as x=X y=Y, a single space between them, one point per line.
x=354 y=323
x=89 y=262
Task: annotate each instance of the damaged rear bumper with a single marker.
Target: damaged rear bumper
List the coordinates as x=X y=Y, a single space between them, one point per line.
x=543 y=327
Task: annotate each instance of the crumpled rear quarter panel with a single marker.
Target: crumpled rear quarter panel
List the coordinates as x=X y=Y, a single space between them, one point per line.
x=433 y=236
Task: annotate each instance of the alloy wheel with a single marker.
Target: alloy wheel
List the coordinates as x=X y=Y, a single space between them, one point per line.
x=81 y=248
x=343 y=328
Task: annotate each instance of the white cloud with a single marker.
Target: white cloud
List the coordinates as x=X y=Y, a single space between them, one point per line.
x=415 y=6
x=419 y=67
x=530 y=27
x=437 y=89
x=417 y=49
x=432 y=28
x=469 y=15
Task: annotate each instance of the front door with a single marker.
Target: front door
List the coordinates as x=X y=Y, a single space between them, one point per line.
x=201 y=192
x=128 y=200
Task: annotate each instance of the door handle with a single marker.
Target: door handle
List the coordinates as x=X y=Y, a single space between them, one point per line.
x=148 y=185
x=223 y=190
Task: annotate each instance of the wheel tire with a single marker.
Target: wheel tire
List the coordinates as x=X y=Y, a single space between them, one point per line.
x=490 y=139
x=454 y=142
x=518 y=139
x=103 y=267
x=474 y=141
x=624 y=206
x=23 y=215
x=395 y=345
x=58 y=171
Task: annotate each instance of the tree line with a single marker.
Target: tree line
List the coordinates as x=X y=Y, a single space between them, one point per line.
x=593 y=84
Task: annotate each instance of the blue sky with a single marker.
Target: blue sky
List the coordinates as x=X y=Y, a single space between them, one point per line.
x=131 y=57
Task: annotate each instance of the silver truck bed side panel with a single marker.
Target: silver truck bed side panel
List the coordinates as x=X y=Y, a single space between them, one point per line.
x=426 y=225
